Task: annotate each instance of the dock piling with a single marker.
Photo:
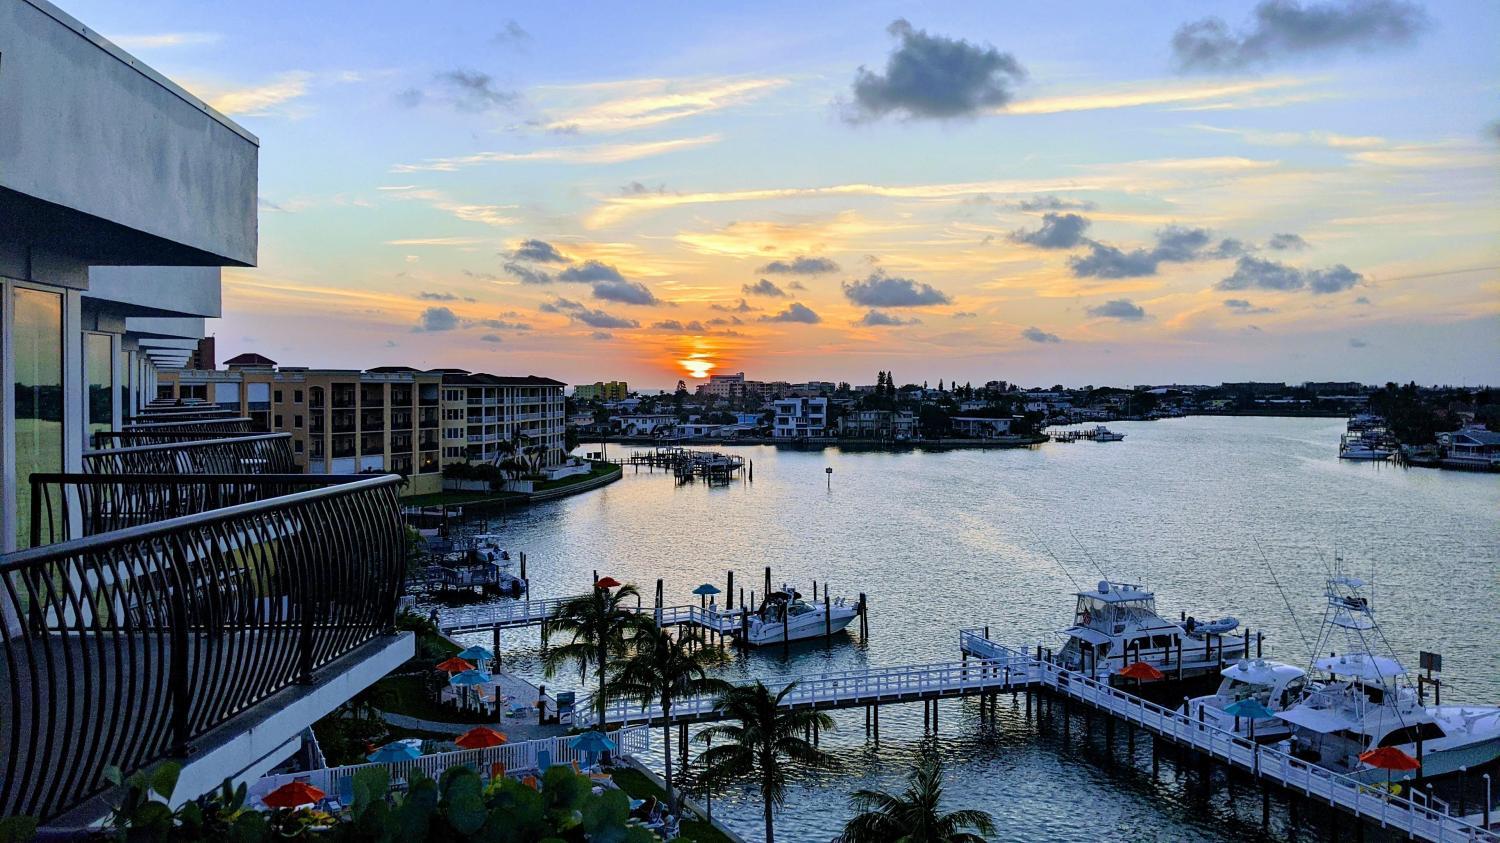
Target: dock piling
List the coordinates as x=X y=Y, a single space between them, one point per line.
x=729 y=594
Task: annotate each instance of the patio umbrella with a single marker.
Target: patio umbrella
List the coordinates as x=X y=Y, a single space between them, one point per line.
x=470 y=678
x=292 y=794
x=1389 y=758
x=454 y=665
x=476 y=653
x=591 y=742
x=703 y=591
x=481 y=737
x=393 y=753
x=1142 y=672
x=607 y=582
x=1249 y=707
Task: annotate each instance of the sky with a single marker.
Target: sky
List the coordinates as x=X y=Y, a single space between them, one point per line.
x=1095 y=193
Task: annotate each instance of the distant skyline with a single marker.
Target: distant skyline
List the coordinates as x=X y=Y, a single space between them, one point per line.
x=1179 y=191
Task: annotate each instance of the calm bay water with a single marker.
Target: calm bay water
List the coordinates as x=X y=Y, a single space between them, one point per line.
x=1198 y=509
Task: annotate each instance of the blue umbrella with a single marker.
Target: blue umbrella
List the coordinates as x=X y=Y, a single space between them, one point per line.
x=470 y=678
x=703 y=591
x=476 y=653
x=1251 y=708
x=393 y=753
x=591 y=742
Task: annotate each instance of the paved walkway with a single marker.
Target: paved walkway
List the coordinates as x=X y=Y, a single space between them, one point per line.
x=517 y=691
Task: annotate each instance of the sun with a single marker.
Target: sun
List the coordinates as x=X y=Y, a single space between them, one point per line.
x=697 y=365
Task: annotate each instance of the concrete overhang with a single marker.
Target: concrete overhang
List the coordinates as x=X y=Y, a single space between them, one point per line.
x=114 y=164
x=147 y=327
x=156 y=291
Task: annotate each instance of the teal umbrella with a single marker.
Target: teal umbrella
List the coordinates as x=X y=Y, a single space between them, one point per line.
x=703 y=591
x=393 y=753
x=476 y=653
x=470 y=678
x=1251 y=708
x=591 y=742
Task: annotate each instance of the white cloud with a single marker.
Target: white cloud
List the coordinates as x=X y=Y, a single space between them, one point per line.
x=639 y=103
x=256 y=100
x=597 y=154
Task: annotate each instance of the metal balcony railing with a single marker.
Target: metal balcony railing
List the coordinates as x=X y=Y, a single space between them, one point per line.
x=266 y=453
x=240 y=423
x=180 y=414
x=161 y=436
x=123 y=648
x=67 y=506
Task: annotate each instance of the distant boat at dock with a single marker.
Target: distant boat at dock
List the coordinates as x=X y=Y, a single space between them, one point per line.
x=1275 y=685
x=1116 y=624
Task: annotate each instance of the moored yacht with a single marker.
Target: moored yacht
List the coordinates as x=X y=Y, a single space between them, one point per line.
x=785 y=616
x=1272 y=684
x=1365 y=446
x=1366 y=702
x=1116 y=624
x=1104 y=434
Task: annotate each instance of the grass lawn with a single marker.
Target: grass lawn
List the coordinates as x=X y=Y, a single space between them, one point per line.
x=409 y=695
x=596 y=470
x=635 y=783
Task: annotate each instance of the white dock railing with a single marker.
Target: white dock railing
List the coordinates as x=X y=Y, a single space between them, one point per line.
x=517 y=757
x=845 y=688
x=1313 y=781
x=534 y=612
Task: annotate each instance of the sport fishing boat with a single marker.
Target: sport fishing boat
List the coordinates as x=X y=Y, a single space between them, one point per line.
x=1366 y=702
x=1104 y=434
x=1273 y=685
x=1116 y=624
x=785 y=616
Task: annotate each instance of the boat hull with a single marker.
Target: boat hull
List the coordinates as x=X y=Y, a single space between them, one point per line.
x=800 y=629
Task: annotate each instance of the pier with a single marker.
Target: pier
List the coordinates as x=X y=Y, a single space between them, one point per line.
x=687 y=465
x=1015 y=672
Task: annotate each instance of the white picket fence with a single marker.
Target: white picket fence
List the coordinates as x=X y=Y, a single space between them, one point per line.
x=520 y=757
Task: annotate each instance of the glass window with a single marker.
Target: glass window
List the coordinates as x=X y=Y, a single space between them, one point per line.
x=297 y=396
x=36 y=331
x=99 y=377
x=276 y=396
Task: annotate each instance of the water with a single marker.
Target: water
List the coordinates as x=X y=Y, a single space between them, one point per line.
x=1196 y=509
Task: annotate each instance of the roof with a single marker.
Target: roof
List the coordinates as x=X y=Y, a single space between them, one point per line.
x=1092 y=636
x=1479 y=435
x=391 y=369
x=249 y=358
x=459 y=378
x=1317 y=719
x=1114 y=592
x=1261 y=672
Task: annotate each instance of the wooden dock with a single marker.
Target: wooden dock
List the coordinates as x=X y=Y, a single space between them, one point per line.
x=688 y=465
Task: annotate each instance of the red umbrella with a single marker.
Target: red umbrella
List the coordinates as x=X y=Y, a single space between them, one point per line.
x=481 y=737
x=1389 y=758
x=455 y=665
x=607 y=582
x=292 y=794
x=1142 y=671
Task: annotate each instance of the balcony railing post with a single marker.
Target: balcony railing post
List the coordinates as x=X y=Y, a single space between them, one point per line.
x=177 y=674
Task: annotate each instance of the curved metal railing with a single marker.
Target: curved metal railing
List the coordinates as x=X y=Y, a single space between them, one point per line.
x=162 y=436
x=123 y=648
x=166 y=414
x=265 y=453
x=67 y=506
x=226 y=422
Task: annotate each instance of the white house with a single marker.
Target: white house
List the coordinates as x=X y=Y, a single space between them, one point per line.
x=971 y=427
x=643 y=424
x=801 y=418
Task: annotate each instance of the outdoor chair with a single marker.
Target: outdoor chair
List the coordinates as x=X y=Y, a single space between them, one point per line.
x=543 y=760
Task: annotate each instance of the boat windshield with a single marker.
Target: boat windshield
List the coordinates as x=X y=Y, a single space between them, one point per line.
x=1235 y=690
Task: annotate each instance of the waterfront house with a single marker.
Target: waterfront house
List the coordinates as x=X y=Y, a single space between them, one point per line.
x=144 y=618
x=971 y=427
x=1471 y=447
x=643 y=424
x=800 y=418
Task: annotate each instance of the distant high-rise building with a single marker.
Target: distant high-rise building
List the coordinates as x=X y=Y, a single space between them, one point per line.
x=602 y=391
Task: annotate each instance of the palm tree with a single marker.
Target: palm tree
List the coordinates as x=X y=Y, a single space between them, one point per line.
x=763 y=744
x=914 y=815
x=665 y=669
x=599 y=625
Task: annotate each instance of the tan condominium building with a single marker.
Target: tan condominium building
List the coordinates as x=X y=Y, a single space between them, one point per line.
x=386 y=419
x=601 y=391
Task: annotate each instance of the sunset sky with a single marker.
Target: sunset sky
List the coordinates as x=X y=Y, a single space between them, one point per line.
x=1091 y=193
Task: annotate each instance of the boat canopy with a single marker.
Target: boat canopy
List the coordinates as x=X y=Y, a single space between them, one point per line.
x=1118 y=592
x=1092 y=636
x=1261 y=672
x=1321 y=720
x=1362 y=666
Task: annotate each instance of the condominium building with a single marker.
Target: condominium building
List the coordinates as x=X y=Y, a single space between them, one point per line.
x=386 y=419
x=723 y=386
x=159 y=611
x=601 y=391
x=491 y=416
x=800 y=418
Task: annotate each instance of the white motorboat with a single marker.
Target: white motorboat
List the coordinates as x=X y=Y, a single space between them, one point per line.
x=785 y=616
x=486 y=547
x=1116 y=624
x=1104 y=434
x=1275 y=685
x=1364 y=447
x=1366 y=702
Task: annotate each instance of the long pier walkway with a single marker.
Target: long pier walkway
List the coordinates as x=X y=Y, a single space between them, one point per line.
x=521 y=613
x=992 y=668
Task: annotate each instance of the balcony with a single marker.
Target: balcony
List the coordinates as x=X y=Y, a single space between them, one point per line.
x=401 y=420
x=371 y=444
x=205 y=617
x=372 y=421
x=428 y=417
x=165 y=436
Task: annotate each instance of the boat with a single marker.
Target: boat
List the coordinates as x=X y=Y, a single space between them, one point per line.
x=1365 y=701
x=785 y=616
x=1365 y=446
x=485 y=547
x=1104 y=434
x=1275 y=685
x=1116 y=623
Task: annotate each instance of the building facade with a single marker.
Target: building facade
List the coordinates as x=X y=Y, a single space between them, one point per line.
x=492 y=416
x=601 y=391
x=800 y=418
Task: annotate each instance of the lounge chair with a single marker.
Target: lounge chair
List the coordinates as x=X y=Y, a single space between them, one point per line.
x=543 y=760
